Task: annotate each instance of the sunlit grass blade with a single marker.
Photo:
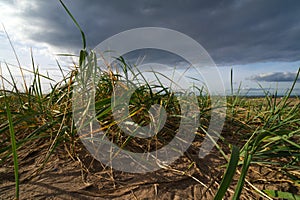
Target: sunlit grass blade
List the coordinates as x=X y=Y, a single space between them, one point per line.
x=13 y=145
x=241 y=181
x=229 y=173
x=282 y=195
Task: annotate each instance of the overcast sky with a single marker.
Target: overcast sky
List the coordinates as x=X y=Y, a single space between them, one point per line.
x=259 y=38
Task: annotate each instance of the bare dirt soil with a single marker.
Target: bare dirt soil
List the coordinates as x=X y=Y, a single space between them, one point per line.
x=78 y=176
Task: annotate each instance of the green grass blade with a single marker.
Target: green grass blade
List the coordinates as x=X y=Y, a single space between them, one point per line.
x=14 y=148
x=282 y=195
x=17 y=58
x=230 y=171
x=294 y=83
x=241 y=181
x=76 y=23
x=231 y=81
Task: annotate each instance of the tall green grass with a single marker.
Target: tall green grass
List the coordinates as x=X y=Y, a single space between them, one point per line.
x=13 y=142
x=34 y=115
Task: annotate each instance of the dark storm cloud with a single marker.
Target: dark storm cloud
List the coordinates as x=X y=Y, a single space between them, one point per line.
x=232 y=31
x=275 y=77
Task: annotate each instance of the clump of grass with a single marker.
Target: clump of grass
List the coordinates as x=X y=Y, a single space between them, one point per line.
x=277 y=136
x=272 y=132
x=30 y=116
x=35 y=115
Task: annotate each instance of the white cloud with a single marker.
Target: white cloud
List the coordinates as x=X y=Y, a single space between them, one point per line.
x=275 y=77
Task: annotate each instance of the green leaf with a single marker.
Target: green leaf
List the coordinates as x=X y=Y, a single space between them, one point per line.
x=230 y=171
x=76 y=23
x=280 y=194
x=14 y=147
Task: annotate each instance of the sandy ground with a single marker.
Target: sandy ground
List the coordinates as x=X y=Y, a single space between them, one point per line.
x=81 y=177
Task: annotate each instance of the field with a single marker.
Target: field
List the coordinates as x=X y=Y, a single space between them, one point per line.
x=257 y=155
x=259 y=145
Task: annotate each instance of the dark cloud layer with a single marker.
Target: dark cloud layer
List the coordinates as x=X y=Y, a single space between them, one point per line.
x=275 y=77
x=232 y=31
